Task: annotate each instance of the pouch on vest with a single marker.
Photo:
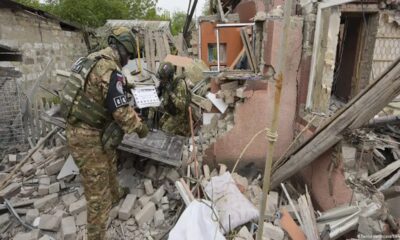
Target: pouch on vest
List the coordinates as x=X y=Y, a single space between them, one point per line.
x=75 y=105
x=112 y=136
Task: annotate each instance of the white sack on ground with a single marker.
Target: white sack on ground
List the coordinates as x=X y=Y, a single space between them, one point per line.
x=234 y=209
x=197 y=222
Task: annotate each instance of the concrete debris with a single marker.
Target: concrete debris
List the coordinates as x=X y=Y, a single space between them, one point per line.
x=4 y=218
x=68 y=169
x=244 y=234
x=77 y=207
x=158 y=218
x=273 y=232
x=146 y=214
x=357 y=191
x=50 y=222
x=127 y=207
x=68 y=228
x=148 y=186
x=31 y=215
x=32 y=235
x=46 y=201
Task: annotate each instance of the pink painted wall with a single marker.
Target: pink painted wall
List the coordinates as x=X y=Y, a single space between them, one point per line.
x=316 y=177
x=247 y=9
x=255 y=113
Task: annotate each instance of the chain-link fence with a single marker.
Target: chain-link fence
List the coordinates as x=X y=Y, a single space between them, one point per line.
x=12 y=135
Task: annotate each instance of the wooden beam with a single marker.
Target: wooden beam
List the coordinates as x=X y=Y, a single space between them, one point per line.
x=239 y=56
x=352 y=116
x=249 y=50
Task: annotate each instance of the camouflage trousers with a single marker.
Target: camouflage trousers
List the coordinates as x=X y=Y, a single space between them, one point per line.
x=98 y=172
x=177 y=125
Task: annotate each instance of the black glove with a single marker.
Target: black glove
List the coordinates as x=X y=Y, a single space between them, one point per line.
x=142 y=131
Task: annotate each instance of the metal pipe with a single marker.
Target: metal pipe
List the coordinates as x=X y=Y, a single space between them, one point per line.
x=199 y=42
x=338 y=212
x=339 y=231
x=226 y=25
x=218 y=64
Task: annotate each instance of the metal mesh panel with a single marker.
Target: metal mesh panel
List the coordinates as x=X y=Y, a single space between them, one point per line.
x=387 y=47
x=12 y=136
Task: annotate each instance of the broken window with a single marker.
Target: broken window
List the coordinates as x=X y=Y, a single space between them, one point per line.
x=213 y=53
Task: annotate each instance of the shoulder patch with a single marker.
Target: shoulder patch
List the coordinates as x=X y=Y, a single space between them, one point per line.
x=115 y=95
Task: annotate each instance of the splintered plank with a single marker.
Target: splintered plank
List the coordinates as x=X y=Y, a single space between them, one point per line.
x=160 y=46
x=152 y=52
x=147 y=50
x=166 y=43
x=249 y=51
x=353 y=115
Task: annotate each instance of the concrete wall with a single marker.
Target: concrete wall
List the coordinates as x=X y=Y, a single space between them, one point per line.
x=39 y=39
x=247 y=9
x=255 y=113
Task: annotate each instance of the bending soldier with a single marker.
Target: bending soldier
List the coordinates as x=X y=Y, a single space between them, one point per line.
x=175 y=101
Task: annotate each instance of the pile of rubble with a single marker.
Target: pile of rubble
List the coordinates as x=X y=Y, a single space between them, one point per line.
x=45 y=198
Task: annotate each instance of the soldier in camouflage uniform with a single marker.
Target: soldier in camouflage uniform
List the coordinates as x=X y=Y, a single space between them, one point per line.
x=175 y=101
x=91 y=147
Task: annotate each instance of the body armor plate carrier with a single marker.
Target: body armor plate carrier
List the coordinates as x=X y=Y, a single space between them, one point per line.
x=75 y=105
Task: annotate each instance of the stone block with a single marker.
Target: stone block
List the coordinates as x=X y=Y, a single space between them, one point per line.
x=68 y=228
x=3 y=176
x=44 y=183
x=156 y=198
x=45 y=201
x=4 y=218
x=158 y=218
x=127 y=206
x=55 y=167
x=77 y=207
x=173 y=175
x=10 y=191
x=50 y=222
x=46 y=237
x=54 y=188
x=32 y=235
x=12 y=159
x=148 y=187
x=38 y=157
x=243 y=234
x=146 y=214
x=31 y=215
x=69 y=198
x=28 y=169
x=81 y=218
x=349 y=156
x=26 y=191
x=144 y=200
x=273 y=232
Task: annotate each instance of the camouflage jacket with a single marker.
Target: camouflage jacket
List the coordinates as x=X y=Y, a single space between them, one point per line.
x=97 y=89
x=175 y=97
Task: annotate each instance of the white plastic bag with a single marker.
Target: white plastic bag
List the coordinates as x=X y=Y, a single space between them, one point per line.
x=234 y=209
x=197 y=222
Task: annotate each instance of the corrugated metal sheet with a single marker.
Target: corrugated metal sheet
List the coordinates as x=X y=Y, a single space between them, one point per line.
x=140 y=24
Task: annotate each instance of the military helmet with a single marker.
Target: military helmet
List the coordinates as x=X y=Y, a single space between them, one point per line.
x=166 y=70
x=125 y=37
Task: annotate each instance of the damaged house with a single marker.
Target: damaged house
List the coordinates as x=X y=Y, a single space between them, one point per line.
x=33 y=44
x=325 y=72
